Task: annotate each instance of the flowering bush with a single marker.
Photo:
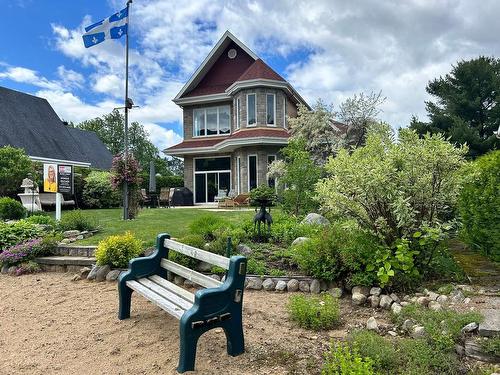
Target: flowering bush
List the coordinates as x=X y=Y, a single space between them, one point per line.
x=127 y=171
x=99 y=191
x=21 y=252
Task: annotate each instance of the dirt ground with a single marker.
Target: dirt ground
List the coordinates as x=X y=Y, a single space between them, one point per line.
x=52 y=325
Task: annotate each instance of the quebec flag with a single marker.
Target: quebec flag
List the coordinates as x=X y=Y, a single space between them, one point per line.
x=113 y=27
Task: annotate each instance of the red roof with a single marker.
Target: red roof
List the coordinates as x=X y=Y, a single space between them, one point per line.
x=250 y=133
x=260 y=70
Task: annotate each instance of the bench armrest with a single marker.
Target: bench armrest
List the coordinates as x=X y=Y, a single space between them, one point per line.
x=147 y=266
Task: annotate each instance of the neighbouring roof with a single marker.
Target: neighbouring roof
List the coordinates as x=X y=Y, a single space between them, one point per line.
x=29 y=122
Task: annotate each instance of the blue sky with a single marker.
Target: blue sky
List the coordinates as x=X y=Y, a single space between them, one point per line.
x=327 y=49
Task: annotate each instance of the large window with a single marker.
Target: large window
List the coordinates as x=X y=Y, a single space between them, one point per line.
x=210 y=176
x=284 y=113
x=211 y=121
x=252 y=172
x=238 y=113
x=251 y=110
x=271 y=109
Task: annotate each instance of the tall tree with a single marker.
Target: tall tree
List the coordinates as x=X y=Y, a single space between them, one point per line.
x=467 y=106
x=110 y=130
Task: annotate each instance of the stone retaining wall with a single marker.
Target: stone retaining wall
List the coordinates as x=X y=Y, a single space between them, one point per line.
x=75 y=250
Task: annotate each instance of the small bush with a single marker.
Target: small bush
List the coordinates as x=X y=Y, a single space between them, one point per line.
x=206 y=226
x=98 y=191
x=11 y=234
x=11 y=209
x=314 y=312
x=256 y=267
x=41 y=219
x=117 y=251
x=27 y=267
x=418 y=357
x=261 y=194
x=77 y=220
x=286 y=228
x=48 y=245
x=379 y=349
x=20 y=253
x=344 y=360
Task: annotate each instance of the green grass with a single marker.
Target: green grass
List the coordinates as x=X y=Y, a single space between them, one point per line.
x=150 y=222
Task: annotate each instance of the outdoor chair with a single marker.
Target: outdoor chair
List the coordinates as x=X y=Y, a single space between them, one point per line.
x=221 y=196
x=242 y=199
x=165 y=196
x=144 y=198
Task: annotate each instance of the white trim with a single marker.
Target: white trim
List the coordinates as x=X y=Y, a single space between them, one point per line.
x=256 y=171
x=274 y=109
x=202 y=99
x=238 y=174
x=237 y=110
x=255 y=109
x=285 y=125
x=210 y=60
x=59 y=161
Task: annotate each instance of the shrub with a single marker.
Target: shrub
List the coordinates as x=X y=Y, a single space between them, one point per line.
x=479 y=205
x=256 y=267
x=98 y=191
x=206 y=225
x=169 y=182
x=11 y=234
x=20 y=253
x=286 y=228
x=314 y=312
x=418 y=357
x=77 y=220
x=262 y=193
x=48 y=245
x=41 y=219
x=117 y=251
x=344 y=360
x=376 y=347
x=14 y=166
x=27 y=267
x=11 y=209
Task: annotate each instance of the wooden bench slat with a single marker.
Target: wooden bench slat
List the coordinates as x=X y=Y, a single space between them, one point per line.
x=165 y=293
x=158 y=300
x=193 y=252
x=186 y=294
x=190 y=274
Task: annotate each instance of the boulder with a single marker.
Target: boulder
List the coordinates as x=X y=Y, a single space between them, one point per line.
x=189 y=284
x=457 y=296
x=358 y=299
x=442 y=299
x=392 y=333
x=408 y=325
x=404 y=303
x=243 y=249
x=70 y=233
x=469 y=328
x=435 y=306
x=364 y=290
x=5 y=269
x=254 y=283
x=374 y=301
x=385 y=301
x=418 y=332
x=432 y=296
x=91 y=274
x=315 y=287
x=113 y=275
x=292 y=285
x=300 y=240
x=474 y=349
x=101 y=273
x=371 y=324
x=424 y=301
x=396 y=308
x=490 y=326
x=203 y=267
x=178 y=280
x=395 y=297
x=281 y=286
x=375 y=291
x=304 y=286
x=268 y=284
x=76 y=277
x=215 y=277
x=79 y=237
x=335 y=292
x=315 y=219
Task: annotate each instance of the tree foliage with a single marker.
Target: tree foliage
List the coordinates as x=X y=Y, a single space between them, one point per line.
x=14 y=166
x=467 y=105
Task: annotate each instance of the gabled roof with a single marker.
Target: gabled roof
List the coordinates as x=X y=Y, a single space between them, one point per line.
x=260 y=70
x=29 y=122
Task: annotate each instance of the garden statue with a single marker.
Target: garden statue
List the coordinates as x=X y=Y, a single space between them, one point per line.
x=263 y=197
x=30 y=198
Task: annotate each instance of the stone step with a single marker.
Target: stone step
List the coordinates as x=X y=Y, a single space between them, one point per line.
x=76 y=250
x=64 y=263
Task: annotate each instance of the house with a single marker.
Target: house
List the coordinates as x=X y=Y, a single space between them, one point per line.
x=30 y=123
x=235 y=110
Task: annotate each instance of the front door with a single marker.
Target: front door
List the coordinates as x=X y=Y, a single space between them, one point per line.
x=210 y=176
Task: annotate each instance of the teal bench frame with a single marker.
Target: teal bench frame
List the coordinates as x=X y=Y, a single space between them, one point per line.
x=219 y=307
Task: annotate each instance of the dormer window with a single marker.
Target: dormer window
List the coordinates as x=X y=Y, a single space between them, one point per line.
x=211 y=121
x=271 y=109
x=251 y=110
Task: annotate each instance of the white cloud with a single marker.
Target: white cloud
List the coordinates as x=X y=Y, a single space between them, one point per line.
x=161 y=137
x=25 y=75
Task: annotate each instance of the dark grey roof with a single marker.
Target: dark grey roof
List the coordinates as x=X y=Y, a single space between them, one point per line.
x=29 y=122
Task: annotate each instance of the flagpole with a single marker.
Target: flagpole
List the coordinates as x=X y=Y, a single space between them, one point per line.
x=125 y=185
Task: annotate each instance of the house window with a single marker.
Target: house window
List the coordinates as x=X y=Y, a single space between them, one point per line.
x=210 y=176
x=271 y=182
x=251 y=110
x=252 y=172
x=238 y=113
x=211 y=121
x=284 y=113
x=271 y=109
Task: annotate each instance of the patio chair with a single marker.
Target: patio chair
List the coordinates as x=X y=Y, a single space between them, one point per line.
x=145 y=199
x=221 y=195
x=242 y=200
x=165 y=196
x=171 y=197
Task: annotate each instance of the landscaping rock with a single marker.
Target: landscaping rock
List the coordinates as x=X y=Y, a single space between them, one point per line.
x=469 y=328
x=113 y=275
x=315 y=219
x=92 y=273
x=65 y=241
x=5 y=269
x=292 y=285
x=457 y=296
x=71 y=233
x=79 y=237
x=215 y=277
x=84 y=272
x=374 y=301
x=358 y=299
x=435 y=306
x=392 y=333
x=178 y=280
x=474 y=350
x=385 y=301
x=432 y=296
x=300 y=240
x=268 y=284
x=335 y=292
x=281 y=286
x=203 y=267
x=404 y=303
x=101 y=272
x=304 y=286
x=315 y=287
x=323 y=285
x=254 y=283
x=364 y=290
x=76 y=277
x=442 y=299
x=418 y=332
x=396 y=308
x=189 y=284
x=371 y=324
x=460 y=350
x=424 y=301
x=395 y=297
x=375 y=291
x=466 y=300
x=408 y=325
x=243 y=249
x=491 y=324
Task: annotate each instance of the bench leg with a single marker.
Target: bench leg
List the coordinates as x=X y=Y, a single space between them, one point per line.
x=235 y=340
x=125 y=298
x=187 y=350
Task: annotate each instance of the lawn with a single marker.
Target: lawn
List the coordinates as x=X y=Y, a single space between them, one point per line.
x=150 y=222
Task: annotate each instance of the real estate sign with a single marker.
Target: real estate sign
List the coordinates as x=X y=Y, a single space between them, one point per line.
x=50 y=178
x=65 y=179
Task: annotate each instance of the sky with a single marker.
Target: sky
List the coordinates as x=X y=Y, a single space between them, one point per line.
x=328 y=49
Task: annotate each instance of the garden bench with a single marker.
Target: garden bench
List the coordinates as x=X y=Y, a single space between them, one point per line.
x=219 y=305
